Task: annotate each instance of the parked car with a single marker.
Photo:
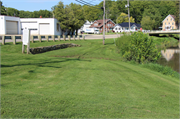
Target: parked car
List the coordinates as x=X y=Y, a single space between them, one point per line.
x=82 y=32
x=96 y=32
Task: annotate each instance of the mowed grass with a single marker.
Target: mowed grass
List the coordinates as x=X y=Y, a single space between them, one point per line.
x=90 y=81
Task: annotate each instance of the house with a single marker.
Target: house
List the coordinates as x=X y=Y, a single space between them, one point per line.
x=98 y=24
x=169 y=23
x=87 y=24
x=124 y=27
x=41 y=26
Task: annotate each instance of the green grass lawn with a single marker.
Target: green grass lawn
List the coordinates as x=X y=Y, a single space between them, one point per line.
x=90 y=81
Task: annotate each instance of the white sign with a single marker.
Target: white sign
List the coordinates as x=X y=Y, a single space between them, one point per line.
x=26 y=36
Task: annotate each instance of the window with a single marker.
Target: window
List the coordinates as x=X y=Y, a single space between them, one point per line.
x=172 y=23
x=169 y=23
x=171 y=19
x=115 y=28
x=165 y=23
x=119 y=28
x=172 y=27
x=95 y=24
x=167 y=19
x=57 y=27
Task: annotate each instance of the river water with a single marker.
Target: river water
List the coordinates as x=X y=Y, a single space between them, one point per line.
x=170 y=57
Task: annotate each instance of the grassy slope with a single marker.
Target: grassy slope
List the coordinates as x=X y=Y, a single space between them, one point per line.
x=82 y=82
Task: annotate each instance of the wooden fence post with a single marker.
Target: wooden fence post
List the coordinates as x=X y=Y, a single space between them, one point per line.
x=3 y=40
x=78 y=37
x=74 y=37
x=39 y=37
x=32 y=38
x=83 y=37
x=64 y=37
x=53 y=37
x=69 y=37
x=47 y=38
x=59 y=38
x=14 y=39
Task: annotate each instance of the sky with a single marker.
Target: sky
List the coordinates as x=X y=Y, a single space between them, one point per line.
x=36 y=5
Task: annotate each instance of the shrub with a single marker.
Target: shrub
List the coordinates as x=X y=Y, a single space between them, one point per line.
x=123 y=43
x=162 y=69
x=138 y=47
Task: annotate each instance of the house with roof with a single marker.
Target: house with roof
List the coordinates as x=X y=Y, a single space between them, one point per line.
x=124 y=27
x=169 y=23
x=98 y=24
x=87 y=24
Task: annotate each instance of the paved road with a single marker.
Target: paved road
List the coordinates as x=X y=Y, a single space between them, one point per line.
x=87 y=37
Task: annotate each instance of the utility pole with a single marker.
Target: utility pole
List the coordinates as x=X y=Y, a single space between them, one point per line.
x=0 y=7
x=128 y=15
x=104 y=23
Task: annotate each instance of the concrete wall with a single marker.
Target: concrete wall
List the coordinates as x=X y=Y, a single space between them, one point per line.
x=3 y=20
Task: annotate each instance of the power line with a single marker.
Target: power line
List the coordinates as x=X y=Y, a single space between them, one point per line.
x=88 y=4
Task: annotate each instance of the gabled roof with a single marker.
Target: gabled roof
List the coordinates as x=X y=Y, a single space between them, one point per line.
x=126 y=24
x=100 y=23
x=173 y=16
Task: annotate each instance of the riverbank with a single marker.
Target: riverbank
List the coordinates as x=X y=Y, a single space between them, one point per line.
x=90 y=81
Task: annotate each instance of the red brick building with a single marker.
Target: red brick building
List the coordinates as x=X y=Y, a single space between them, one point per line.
x=109 y=24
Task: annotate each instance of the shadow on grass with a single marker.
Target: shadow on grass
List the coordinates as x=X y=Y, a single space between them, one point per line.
x=44 y=64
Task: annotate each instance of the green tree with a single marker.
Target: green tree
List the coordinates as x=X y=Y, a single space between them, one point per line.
x=12 y=11
x=78 y=15
x=124 y=18
x=3 y=10
x=147 y=23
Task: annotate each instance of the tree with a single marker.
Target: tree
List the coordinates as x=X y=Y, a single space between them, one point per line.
x=124 y=18
x=12 y=11
x=65 y=16
x=147 y=23
x=3 y=10
x=78 y=15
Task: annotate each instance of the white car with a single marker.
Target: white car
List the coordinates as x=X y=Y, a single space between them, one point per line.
x=96 y=32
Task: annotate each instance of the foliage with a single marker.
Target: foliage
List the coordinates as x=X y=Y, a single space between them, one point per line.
x=123 y=43
x=3 y=10
x=147 y=23
x=124 y=18
x=140 y=48
x=162 y=69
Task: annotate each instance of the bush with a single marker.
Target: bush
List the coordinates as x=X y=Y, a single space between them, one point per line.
x=138 y=47
x=123 y=43
x=162 y=69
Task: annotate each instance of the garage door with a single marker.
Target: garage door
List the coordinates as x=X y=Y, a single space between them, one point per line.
x=11 y=27
x=44 y=29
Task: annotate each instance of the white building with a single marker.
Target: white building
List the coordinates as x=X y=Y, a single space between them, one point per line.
x=87 y=24
x=41 y=26
x=124 y=27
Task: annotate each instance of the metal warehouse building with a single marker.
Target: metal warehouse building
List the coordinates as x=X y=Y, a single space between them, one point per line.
x=15 y=25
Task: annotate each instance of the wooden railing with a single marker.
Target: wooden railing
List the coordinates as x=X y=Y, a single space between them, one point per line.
x=32 y=37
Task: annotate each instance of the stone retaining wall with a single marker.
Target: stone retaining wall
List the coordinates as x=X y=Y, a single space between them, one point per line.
x=53 y=47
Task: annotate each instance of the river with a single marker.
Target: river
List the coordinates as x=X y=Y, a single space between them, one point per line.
x=170 y=57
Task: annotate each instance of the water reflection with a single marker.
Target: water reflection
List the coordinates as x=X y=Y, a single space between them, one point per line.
x=170 y=57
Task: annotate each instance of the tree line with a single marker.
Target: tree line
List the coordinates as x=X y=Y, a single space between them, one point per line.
x=149 y=14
